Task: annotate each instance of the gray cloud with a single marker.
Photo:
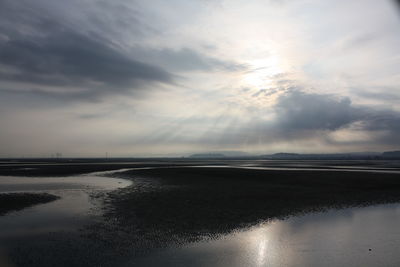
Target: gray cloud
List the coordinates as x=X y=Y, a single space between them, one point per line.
x=302 y=116
x=44 y=50
x=185 y=59
x=119 y=19
x=388 y=95
x=39 y=51
x=297 y=110
x=67 y=58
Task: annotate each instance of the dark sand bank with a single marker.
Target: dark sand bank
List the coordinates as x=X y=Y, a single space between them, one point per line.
x=68 y=167
x=178 y=205
x=55 y=168
x=18 y=201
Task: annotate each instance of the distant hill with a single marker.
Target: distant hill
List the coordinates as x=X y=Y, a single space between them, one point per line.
x=207 y=155
x=221 y=154
x=233 y=153
x=350 y=156
x=297 y=156
x=286 y=155
x=391 y=154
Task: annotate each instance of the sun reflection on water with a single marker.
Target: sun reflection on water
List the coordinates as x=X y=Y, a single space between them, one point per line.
x=262 y=247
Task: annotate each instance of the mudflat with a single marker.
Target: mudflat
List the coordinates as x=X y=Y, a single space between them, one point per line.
x=176 y=202
x=184 y=204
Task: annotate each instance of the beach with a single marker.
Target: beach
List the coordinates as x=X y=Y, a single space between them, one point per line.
x=173 y=204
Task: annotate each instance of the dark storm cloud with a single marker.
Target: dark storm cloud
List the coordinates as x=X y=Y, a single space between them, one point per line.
x=37 y=50
x=87 y=50
x=300 y=114
x=297 y=110
x=385 y=122
x=66 y=58
x=35 y=96
x=45 y=53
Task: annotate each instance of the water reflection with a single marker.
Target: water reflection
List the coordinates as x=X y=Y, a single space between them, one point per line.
x=29 y=234
x=90 y=181
x=65 y=214
x=350 y=237
x=71 y=211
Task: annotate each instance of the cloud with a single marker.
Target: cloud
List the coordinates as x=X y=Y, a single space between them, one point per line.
x=46 y=54
x=388 y=95
x=57 y=56
x=66 y=58
x=301 y=117
x=300 y=114
x=185 y=60
x=209 y=73
x=297 y=110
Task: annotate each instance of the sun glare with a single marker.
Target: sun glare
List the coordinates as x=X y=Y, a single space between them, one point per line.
x=262 y=71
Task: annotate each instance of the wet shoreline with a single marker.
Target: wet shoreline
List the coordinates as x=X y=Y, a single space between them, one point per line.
x=51 y=233
x=190 y=203
x=175 y=204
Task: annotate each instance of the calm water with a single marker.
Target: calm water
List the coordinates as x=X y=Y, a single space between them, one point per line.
x=334 y=238
x=68 y=213
x=51 y=231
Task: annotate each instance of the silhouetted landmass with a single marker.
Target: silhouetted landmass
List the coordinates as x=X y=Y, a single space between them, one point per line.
x=285 y=155
x=208 y=155
x=391 y=155
x=226 y=155
x=298 y=156
x=18 y=201
x=337 y=156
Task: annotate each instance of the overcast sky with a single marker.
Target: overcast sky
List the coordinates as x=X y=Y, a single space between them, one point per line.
x=155 y=77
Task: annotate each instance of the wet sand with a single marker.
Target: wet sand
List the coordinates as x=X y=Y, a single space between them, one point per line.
x=169 y=204
x=179 y=205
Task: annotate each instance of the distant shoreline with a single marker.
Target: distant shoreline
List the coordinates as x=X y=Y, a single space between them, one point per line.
x=230 y=155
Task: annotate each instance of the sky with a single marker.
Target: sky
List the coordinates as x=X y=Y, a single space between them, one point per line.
x=168 y=78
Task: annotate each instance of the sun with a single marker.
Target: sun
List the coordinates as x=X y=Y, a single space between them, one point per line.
x=262 y=71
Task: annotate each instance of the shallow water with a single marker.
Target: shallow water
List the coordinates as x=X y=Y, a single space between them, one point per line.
x=78 y=182
x=71 y=211
x=351 y=237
